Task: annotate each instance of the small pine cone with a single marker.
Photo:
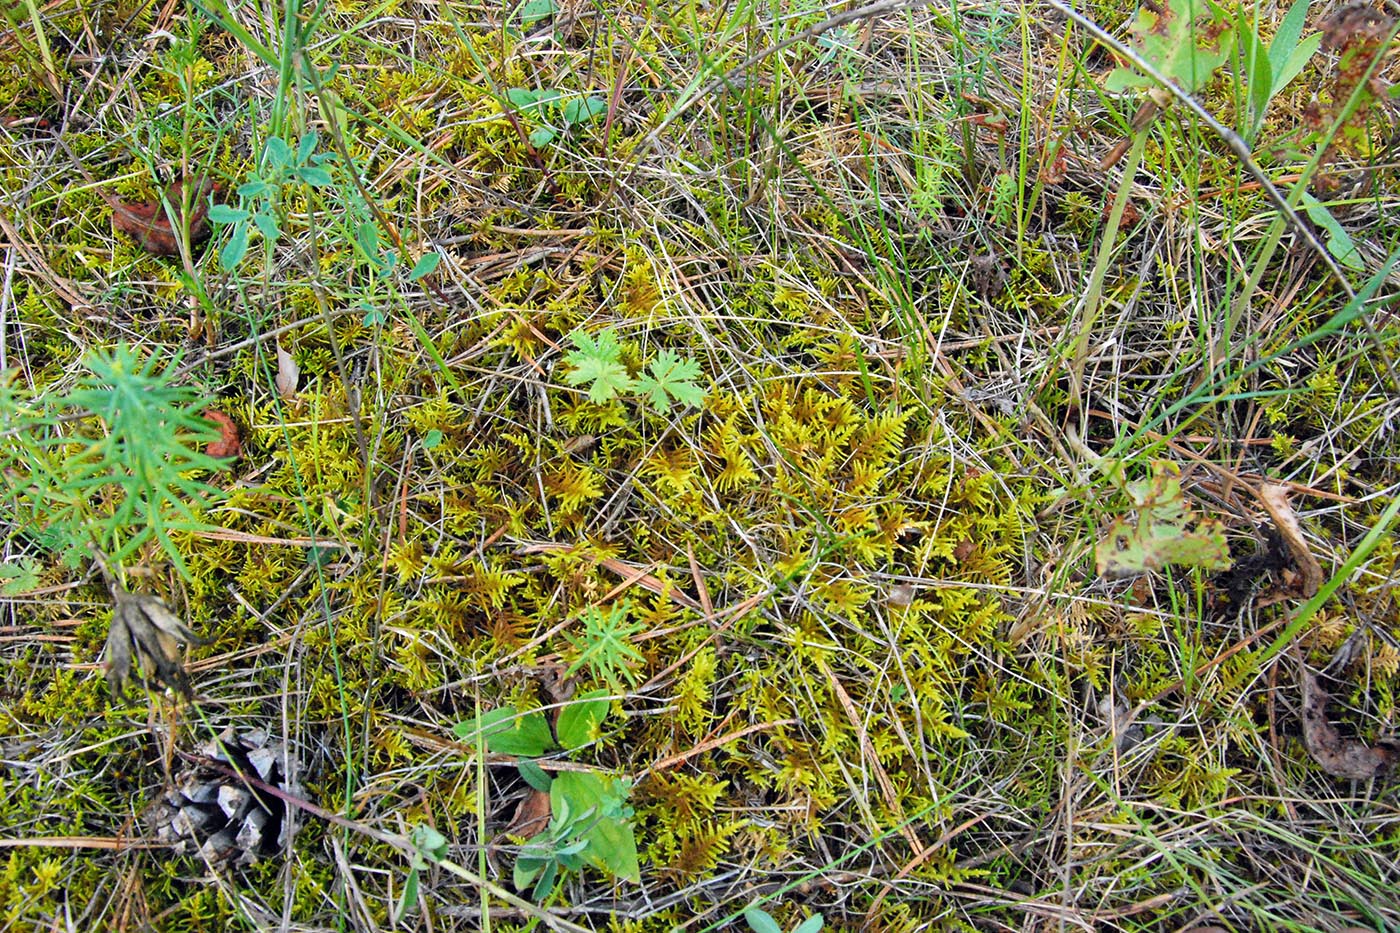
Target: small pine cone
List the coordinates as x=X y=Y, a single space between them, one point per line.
x=227 y=821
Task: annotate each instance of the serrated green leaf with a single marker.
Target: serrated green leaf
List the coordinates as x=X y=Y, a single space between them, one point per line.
x=19 y=576
x=1165 y=532
x=598 y=363
x=671 y=377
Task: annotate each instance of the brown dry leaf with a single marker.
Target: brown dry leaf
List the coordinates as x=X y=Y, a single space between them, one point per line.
x=147 y=223
x=145 y=625
x=228 y=444
x=288 y=374
x=1275 y=501
x=1339 y=757
x=531 y=815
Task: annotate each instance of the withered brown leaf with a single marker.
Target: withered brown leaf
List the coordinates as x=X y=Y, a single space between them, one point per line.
x=1339 y=757
x=228 y=444
x=1274 y=498
x=146 y=222
x=145 y=626
x=532 y=815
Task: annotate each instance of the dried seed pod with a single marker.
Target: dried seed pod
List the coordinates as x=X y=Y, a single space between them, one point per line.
x=145 y=626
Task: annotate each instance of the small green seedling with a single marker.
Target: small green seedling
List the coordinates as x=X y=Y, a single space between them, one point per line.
x=760 y=921
x=278 y=166
x=553 y=114
x=429 y=846
x=597 y=362
x=590 y=821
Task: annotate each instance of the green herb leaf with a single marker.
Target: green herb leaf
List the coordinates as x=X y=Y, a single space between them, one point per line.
x=232 y=252
x=611 y=845
x=579 y=722
x=507 y=732
x=670 y=378
x=425 y=266
x=581 y=110
x=598 y=363
x=306 y=146
x=276 y=152
x=532 y=11
x=223 y=214
x=534 y=775
x=761 y=921
x=1186 y=40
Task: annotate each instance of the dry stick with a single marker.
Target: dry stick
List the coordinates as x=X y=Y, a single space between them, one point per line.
x=1241 y=150
x=401 y=843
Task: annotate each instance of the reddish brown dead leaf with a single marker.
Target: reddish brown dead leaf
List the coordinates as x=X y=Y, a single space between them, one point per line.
x=228 y=444
x=1339 y=757
x=531 y=815
x=1275 y=501
x=147 y=223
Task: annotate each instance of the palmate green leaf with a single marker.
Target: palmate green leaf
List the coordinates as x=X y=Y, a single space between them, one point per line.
x=671 y=377
x=153 y=434
x=598 y=363
x=1186 y=40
